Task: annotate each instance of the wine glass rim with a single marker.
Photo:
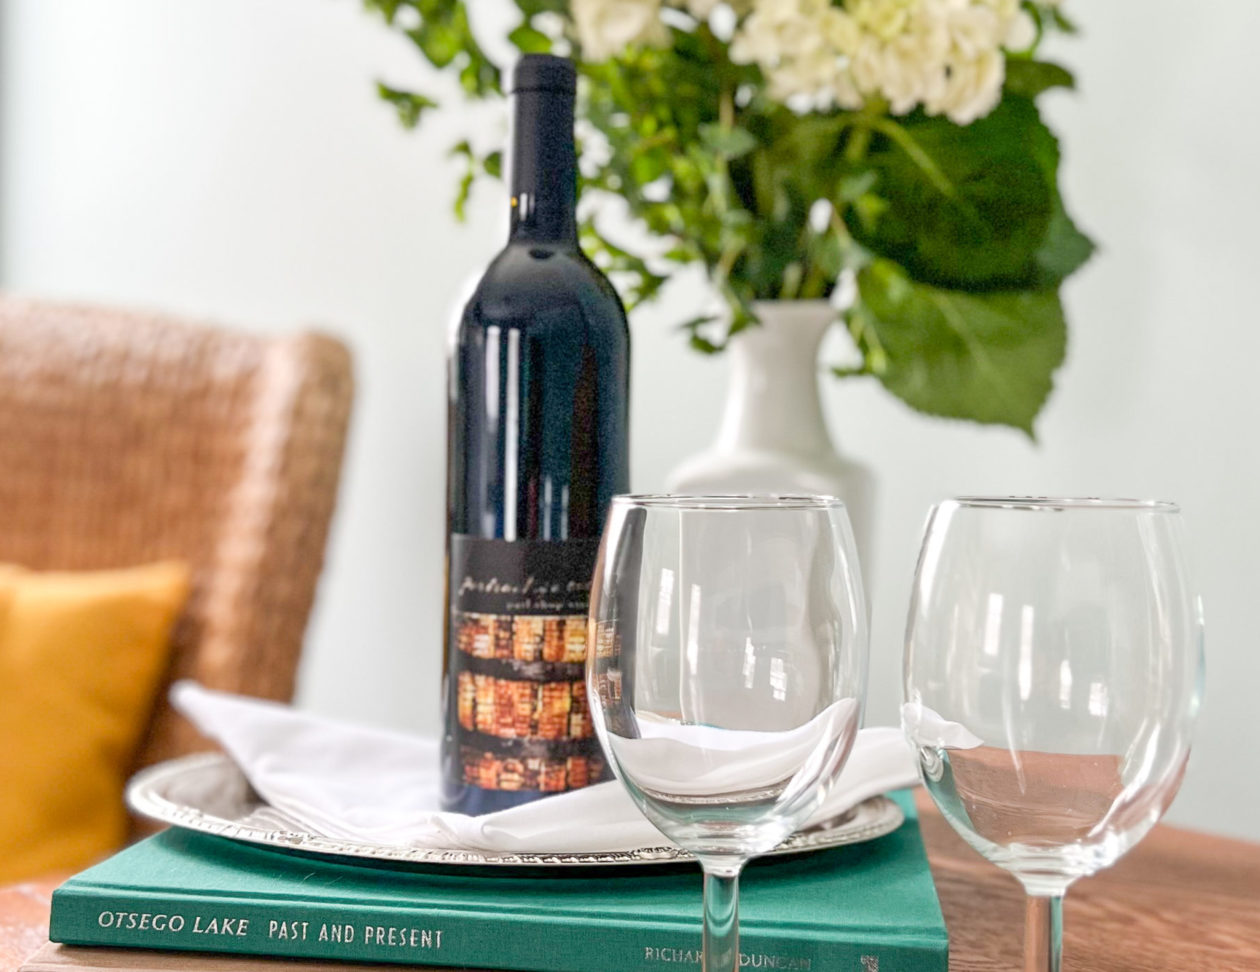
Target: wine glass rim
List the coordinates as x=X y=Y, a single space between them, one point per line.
x=730 y=502
x=1062 y=504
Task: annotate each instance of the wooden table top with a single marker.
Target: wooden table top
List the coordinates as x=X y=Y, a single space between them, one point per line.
x=1179 y=900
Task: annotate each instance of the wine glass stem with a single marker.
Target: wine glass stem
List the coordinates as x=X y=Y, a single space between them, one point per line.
x=1043 y=933
x=721 y=916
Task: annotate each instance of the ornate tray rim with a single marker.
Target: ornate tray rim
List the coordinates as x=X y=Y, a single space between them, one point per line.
x=872 y=818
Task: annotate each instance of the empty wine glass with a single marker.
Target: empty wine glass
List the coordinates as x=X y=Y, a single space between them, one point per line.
x=1053 y=671
x=726 y=671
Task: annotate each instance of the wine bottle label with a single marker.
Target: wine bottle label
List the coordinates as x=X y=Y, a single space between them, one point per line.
x=517 y=658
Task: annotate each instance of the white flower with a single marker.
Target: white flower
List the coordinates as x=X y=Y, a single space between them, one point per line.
x=1022 y=32
x=799 y=46
x=943 y=55
x=971 y=90
x=700 y=9
x=703 y=9
x=607 y=27
x=973 y=29
x=884 y=18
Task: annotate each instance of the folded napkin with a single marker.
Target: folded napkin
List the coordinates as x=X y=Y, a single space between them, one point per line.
x=378 y=786
x=928 y=728
x=690 y=760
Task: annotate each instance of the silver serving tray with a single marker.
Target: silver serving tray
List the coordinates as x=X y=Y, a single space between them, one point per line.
x=209 y=794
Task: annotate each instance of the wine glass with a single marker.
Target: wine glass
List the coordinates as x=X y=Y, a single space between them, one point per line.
x=1053 y=672
x=726 y=671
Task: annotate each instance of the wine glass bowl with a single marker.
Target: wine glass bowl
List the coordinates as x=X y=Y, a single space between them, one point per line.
x=726 y=669
x=1053 y=672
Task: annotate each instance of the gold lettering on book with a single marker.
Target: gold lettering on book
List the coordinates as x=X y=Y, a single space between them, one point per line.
x=287 y=930
x=747 y=960
x=140 y=921
x=759 y=960
x=221 y=926
x=402 y=936
x=684 y=955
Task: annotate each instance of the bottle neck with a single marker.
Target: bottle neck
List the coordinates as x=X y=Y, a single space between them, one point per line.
x=544 y=169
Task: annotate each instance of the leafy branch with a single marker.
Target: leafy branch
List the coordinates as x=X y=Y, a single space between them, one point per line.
x=956 y=235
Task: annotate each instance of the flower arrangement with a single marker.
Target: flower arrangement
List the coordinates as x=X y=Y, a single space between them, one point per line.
x=889 y=149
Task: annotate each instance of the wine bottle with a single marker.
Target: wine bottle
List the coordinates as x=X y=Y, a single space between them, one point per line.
x=537 y=447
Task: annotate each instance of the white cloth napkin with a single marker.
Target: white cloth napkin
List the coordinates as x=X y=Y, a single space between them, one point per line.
x=930 y=729
x=378 y=786
x=691 y=760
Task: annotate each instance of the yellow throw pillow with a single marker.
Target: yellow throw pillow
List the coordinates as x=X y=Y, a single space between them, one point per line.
x=82 y=654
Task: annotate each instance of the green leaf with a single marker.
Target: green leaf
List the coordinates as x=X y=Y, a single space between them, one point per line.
x=827 y=254
x=811 y=138
x=851 y=188
x=1064 y=249
x=966 y=205
x=730 y=142
x=490 y=164
x=440 y=42
x=531 y=7
x=987 y=357
x=478 y=76
x=446 y=40
x=1062 y=22
x=638 y=282
x=464 y=150
x=867 y=210
x=680 y=254
x=409 y=104
x=530 y=41
x=388 y=9
x=1030 y=78
x=699 y=321
x=463 y=193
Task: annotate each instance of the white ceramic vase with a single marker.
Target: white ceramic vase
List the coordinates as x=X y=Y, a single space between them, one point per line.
x=773 y=436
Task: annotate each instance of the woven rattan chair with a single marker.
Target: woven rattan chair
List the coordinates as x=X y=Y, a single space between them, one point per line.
x=129 y=438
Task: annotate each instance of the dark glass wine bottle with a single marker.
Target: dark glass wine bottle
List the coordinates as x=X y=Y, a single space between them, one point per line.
x=539 y=378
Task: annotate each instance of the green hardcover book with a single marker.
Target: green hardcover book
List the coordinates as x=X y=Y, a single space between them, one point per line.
x=865 y=907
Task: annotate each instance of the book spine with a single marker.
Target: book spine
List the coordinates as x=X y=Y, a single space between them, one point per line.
x=350 y=932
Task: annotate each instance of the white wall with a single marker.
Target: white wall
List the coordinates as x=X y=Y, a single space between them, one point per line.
x=228 y=159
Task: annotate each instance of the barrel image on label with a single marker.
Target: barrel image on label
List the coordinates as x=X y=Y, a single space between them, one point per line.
x=516 y=668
